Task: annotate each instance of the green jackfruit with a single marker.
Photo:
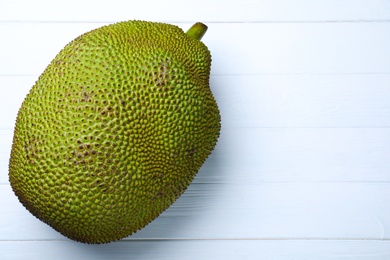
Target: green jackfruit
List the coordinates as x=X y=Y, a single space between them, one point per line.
x=115 y=129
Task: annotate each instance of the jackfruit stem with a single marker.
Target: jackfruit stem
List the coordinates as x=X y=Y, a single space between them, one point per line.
x=197 y=31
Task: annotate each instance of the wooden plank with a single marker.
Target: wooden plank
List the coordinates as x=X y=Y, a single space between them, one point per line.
x=33 y=46
x=265 y=48
x=278 y=210
x=250 y=155
x=14 y=89
x=351 y=100
x=324 y=48
x=5 y=144
x=198 y=249
x=203 y=10
x=256 y=155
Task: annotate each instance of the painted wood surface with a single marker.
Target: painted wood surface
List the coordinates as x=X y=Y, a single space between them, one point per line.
x=302 y=167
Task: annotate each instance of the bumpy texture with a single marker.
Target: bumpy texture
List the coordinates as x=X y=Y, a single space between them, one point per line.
x=114 y=130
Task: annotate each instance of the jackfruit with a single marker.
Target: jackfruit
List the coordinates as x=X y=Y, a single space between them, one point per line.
x=115 y=129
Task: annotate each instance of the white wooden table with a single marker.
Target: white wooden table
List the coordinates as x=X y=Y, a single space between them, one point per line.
x=302 y=167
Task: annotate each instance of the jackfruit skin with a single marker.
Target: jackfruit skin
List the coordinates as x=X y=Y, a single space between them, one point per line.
x=114 y=130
